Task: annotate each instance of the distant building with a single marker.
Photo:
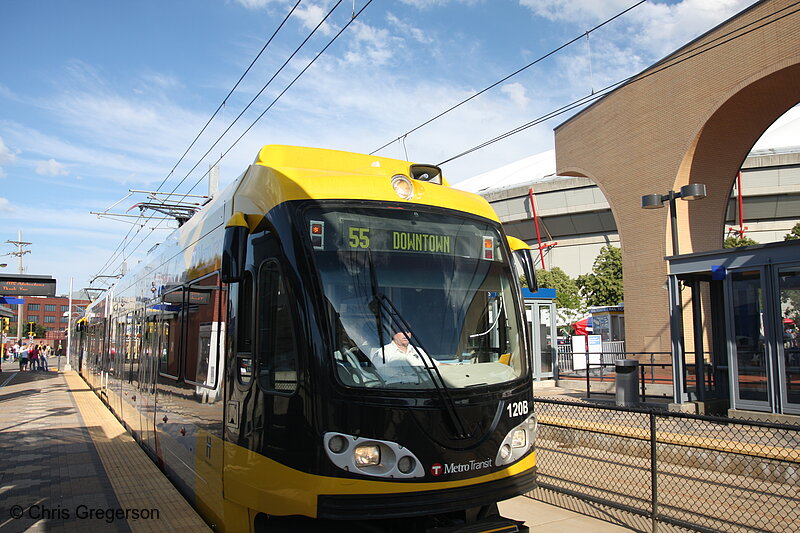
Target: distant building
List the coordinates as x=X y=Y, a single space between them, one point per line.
x=52 y=313
x=574 y=213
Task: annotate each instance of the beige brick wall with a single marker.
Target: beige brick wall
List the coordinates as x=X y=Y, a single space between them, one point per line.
x=694 y=121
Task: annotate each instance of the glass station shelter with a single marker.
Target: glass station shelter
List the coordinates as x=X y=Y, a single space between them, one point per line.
x=734 y=320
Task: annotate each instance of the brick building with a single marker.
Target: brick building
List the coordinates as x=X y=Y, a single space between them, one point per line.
x=52 y=313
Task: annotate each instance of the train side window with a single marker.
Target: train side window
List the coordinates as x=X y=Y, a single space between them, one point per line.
x=244 y=330
x=171 y=311
x=277 y=354
x=204 y=332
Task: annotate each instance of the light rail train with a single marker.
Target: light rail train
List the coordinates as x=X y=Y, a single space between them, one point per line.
x=335 y=340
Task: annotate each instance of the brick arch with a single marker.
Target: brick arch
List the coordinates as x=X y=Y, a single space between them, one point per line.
x=715 y=155
x=692 y=117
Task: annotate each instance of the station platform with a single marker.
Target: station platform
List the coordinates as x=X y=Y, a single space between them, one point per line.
x=68 y=465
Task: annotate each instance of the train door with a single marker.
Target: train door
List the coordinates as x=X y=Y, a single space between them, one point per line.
x=148 y=373
x=262 y=396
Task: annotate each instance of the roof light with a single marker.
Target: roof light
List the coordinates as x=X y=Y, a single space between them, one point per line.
x=403 y=186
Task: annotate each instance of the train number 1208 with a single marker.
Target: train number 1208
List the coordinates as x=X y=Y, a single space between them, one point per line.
x=517 y=408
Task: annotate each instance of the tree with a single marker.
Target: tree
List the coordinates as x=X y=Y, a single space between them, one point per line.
x=735 y=241
x=603 y=286
x=569 y=305
x=567 y=295
x=793 y=234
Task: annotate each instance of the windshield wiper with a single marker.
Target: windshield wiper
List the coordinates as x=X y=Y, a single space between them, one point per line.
x=382 y=305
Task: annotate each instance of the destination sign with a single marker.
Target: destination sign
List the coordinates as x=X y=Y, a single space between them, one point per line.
x=466 y=244
x=22 y=285
x=383 y=239
x=399 y=232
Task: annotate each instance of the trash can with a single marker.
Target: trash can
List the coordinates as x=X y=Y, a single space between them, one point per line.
x=627 y=382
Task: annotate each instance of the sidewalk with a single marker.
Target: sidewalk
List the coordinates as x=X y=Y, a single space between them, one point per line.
x=542 y=517
x=69 y=465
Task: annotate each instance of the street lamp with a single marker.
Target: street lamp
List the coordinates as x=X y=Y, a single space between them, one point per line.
x=692 y=191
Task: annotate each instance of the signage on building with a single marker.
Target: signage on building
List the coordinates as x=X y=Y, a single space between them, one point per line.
x=24 y=285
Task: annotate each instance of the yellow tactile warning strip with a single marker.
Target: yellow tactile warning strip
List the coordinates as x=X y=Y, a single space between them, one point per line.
x=137 y=481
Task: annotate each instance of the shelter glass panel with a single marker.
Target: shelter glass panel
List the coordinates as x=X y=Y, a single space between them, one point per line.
x=546 y=339
x=789 y=287
x=748 y=324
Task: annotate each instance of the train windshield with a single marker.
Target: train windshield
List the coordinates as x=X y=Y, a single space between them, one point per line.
x=418 y=300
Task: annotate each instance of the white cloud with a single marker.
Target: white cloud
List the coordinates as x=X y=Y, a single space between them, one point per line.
x=516 y=92
x=403 y=28
x=628 y=44
x=5 y=206
x=256 y=4
x=6 y=155
x=654 y=26
x=51 y=167
x=369 y=45
x=310 y=15
x=425 y=4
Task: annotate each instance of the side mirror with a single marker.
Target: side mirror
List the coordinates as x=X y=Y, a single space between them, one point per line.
x=234 y=249
x=525 y=260
x=522 y=255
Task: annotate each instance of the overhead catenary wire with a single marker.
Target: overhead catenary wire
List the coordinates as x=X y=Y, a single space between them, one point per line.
x=508 y=77
x=660 y=67
x=316 y=57
x=227 y=96
x=202 y=130
x=269 y=82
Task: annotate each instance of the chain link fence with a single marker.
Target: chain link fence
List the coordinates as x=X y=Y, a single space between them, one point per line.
x=691 y=471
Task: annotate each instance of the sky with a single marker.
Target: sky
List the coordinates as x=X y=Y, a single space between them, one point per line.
x=99 y=98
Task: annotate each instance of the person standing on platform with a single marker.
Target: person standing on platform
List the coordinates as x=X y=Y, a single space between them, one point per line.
x=33 y=358
x=23 y=357
x=43 y=354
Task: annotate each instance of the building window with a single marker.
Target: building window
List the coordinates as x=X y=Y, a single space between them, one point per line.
x=49 y=308
x=33 y=318
x=64 y=319
x=49 y=319
x=33 y=307
x=64 y=308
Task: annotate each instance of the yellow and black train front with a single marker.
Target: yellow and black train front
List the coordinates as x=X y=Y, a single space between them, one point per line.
x=379 y=365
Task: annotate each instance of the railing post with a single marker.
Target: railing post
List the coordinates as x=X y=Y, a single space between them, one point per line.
x=588 y=369
x=653 y=474
x=643 y=383
x=652 y=367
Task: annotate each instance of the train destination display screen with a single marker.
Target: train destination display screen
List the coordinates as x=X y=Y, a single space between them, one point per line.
x=409 y=234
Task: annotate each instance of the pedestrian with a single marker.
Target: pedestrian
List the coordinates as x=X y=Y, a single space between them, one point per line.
x=23 y=357
x=33 y=358
x=43 y=358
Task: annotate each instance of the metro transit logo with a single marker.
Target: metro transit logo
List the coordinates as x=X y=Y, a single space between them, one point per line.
x=437 y=469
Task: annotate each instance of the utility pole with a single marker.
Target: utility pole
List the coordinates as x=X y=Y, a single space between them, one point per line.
x=19 y=243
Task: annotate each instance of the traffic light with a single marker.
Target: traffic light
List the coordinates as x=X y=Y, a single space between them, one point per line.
x=4 y=323
x=31 y=333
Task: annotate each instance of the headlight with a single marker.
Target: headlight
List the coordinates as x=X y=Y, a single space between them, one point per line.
x=505 y=452
x=406 y=464
x=371 y=457
x=517 y=442
x=337 y=444
x=519 y=439
x=368 y=455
